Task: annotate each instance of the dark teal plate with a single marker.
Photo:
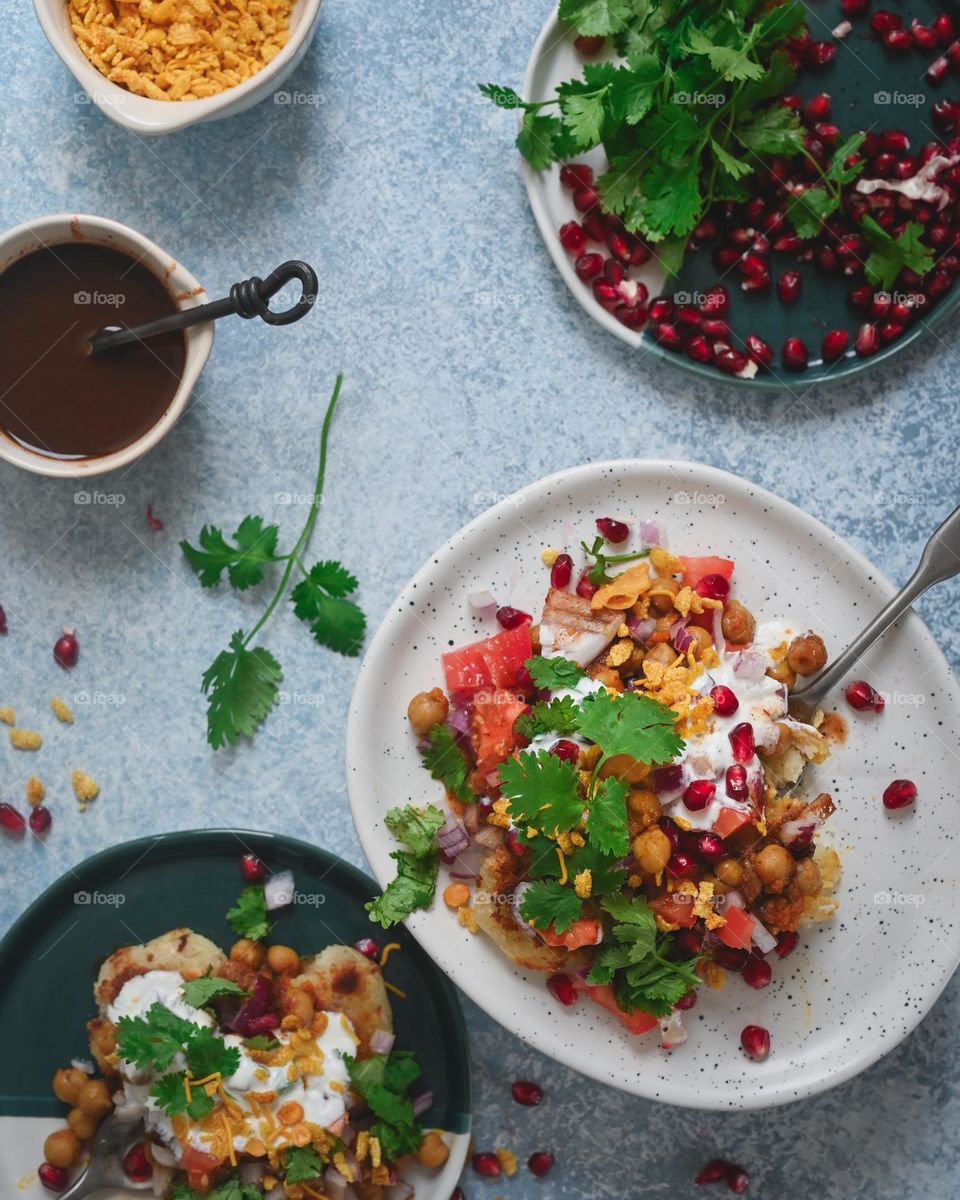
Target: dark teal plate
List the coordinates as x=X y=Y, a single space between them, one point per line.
x=133 y=892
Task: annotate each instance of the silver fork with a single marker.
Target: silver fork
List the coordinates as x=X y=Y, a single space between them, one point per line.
x=940 y=561
x=105 y=1168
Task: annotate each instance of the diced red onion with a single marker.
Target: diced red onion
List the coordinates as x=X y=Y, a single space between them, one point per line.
x=705 y=683
x=679 y=623
x=82 y=1064
x=162 y=1180
x=163 y=1155
x=278 y=890
x=452 y=838
x=421 y=1103
x=749 y=665
x=251 y=1172
x=381 y=1041
x=490 y=837
x=683 y=640
x=458 y=719
x=515 y=899
x=731 y=899
x=401 y=1190
x=800 y=830
x=641 y=630
x=763 y=937
x=335 y=1183
x=471 y=818
x=650 y=532
x=718 y=639
x=672 y=1032
x=482 y=600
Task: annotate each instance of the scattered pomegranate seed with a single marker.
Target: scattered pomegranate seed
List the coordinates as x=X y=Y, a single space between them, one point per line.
x=794 y=354
x=884 y=21
x=606 y=294
x=898 y=39
x=585 y=588
x=943 y=28
x=730 y=361
x=725 y=702
x=40 y=818
x=612 y=530
x=458 y=1194
x=153 y=521
x=715 y=301
x=585 y=198
x=924 y=36
x=136 y=1164
x=736 y=782
x=699 y=349
x=713 y=587
x=698 y=794
x=755 y=1041
x=526 y=1093
x=66 y=649
x=487 y=1163
x=742 y=742
x=588 y=266
x=565 y=749
x=715 y=1170
x=711 y=848
x=786 y=943
x=512 y=618
x=10 y=819
x=671 y=831
x=573 y=237
x=513 y=844
x=595 y=225
x=667 y=779
x=899 y=794
x=562 y=988
x=576 y=175
x=588 y=45
x=737 y=1180
x=668 y=336
x=817 y=108
x=367 y=947
x=687 y=1001
x=660 y=309
x=853 y=8
x=562 y=571
x=759 y=350
x=938 y=70
x=540 y=1162
x=681 y=864
x=689 y=942
x=730 y=958
x=835 y=344
x=3 y=620
x=252 y=869
x=55 y=1179
x=757 y=973
x=821 y=53
x=861 y=696
x=867 y=341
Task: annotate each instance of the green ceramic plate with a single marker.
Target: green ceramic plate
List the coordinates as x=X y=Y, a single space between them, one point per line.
x=871 y=88
x=131 y=893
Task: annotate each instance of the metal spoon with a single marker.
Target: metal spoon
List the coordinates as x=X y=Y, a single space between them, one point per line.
x=940 y=560
x=105 y=1168
x=248 y=298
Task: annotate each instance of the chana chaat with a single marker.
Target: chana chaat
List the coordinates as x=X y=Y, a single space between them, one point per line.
x=618 y=781
x=248 y=1074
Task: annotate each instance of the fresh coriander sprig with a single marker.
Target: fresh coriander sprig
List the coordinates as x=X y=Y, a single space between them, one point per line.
x=598 y=572
x=418 y=863
x=241 y=684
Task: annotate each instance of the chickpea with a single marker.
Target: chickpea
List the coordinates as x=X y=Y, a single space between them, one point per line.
x=738 y=623
x=94 y=1098
x=290 y=1113
x=433 y=1150
x=644 y=806
x=783 y=673
x=283 y=960
x=83 y=1125
x=427 y=709
x=62 y=1149
x=300 y=1005
x=652 y=851
x=68 y=1082
x=662 y=654
x=664 y=603
x=807 y=654
x=808 y=878
x=775 y=866
x=730 y=872
x=251 y=954
x=455 y=895
x=702 y=640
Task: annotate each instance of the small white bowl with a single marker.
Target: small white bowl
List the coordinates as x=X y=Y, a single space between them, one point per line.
x=146 y=116
x=187 y=292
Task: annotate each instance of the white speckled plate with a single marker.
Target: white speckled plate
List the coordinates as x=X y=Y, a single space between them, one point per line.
x=858 y=984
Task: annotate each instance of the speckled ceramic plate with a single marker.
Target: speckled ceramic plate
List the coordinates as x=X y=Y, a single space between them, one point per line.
x=871 y=88
x=135 y=891
x=859 y=983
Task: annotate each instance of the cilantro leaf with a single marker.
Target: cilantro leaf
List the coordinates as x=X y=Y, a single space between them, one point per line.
x=244 y=563
x=416 y=828
x=595 y=18
x=548 y=902
x=153 y=1040
x=607 y=817
x=598 y=572
x=731 y=62
x=560 y=715
x=320 y=600
x=208 y=1054
x=774 y=130
x=241 y=684
x=170 y=1093
x=583 y=115
x=630 y=724
x=301 y=1163
x=608 y=876
x=446 y=762
x=808 y=210
x=249 y=917
x=382 y=1081
x=633 y=89
x=502 y=97
x=554 y=673
x=536 y=139
x=199 y=992
x=417 y=866
x=889 y=256
x=260 y=1041
x=227 y=1189
x=543 y=791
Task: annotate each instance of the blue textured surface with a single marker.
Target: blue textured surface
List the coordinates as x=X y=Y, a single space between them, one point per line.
x=470 y=371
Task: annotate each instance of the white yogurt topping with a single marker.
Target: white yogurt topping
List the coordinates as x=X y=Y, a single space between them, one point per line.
x=583 y=688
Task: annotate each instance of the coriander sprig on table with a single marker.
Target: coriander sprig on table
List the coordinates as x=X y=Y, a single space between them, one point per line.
x=242 y=682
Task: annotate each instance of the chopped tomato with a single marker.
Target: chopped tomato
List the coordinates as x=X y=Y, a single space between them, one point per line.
x=676 y=908
x=738 y=930
x=495 y=662
x=199 y=1167
x=637 y=1021
x=585 y=932
x=729 y=820
x=696 y=566
x=491 y=727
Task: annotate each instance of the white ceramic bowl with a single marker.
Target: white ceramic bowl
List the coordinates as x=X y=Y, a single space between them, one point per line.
x=68 y=227
x=146 y=116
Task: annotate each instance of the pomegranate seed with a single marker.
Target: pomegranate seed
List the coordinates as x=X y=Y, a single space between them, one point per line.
x=585 y=198
x=688 y=316
x=853 y=8
x=953 y=53
x=595 y=226
x=943 y=28
x=705 y=231
x=835 y=344
x=671 y=831
x=11 y=820
x=698 y=794
x=487 y=1164
x=458 y=1194
x=715 y=328
x=867 y=340
x=562 y=988
x=687 y=1001
x=613 y=530
x=827 y=132
x=730 y=361
x=562 y=571
x=136 y=1164
x=526 y=1093
x=895 y=141
x=66 y=649
x=884 y=21
x=513 y=844
x=730 y=958
x=827 y=259
x=786 y=943
x=944 y=114
x=890 y=331
x=792 y=101
x=606 y=294
x=940 y=283
x=640 y=254
x=899 y=794
x=681 y=865
x=367 y=947
x=576 y=175
x=573 y=237
x=688 y=940
x=938 y=234
x=711 y=848
x=588 y=266
x=660 y=309
x=938 y=70
x=3 y=620
x=737 y=1180
x=252 y=869
x=55 y=1179
x=588 y=46
x=736 y=782
x=512 y=618
x=540 y=1162
x=898 y=39
x=861 y=298
x=789 y=286
x=861 y=696
x=821 y=53
x=715 y=1170
x=817 y=108
x=715 y=301
x=755 y=1041
x=757 y=973
x=759 y=350
x=713 y=587
x=725 y=257
x=725 y=702
x=40 y=819
x=742 y=742
x=585 y=588
x=619 y=246
x=566 y=750
x=924 y=37
x=699 y=349
x=668 y=336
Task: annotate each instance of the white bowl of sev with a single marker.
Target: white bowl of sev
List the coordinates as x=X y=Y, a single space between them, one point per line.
x=156 y=66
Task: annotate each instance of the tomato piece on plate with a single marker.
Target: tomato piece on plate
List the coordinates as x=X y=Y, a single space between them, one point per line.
x=584 y=932
x=738 y=930
x=637 y=1021
x=676 y=908
x=199 y=1167
x=729 y=820
x=696 y=566
x=491 y=727
x=495 y=662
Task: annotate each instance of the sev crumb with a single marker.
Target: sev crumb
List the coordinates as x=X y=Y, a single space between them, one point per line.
x=85 y=787
x=549 y=556
x=179 y=49
x=61 y=711
x=25 y=739
x=36 y=792
x=468 y=918
x=508 y=1160
x=8 y=716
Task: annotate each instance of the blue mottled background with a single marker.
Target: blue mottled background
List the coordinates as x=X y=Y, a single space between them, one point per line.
x=470 y=371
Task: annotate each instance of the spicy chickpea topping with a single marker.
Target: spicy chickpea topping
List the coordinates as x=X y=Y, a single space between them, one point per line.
x=807 y=654
x=427 y=709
